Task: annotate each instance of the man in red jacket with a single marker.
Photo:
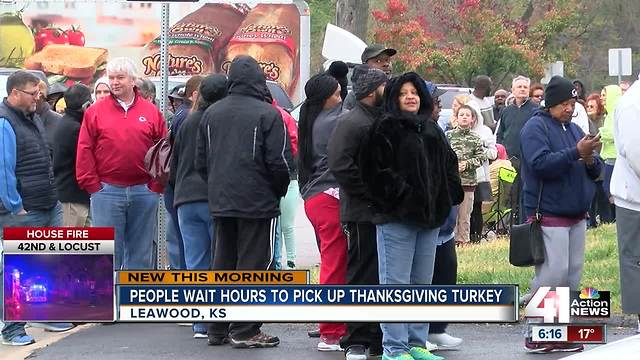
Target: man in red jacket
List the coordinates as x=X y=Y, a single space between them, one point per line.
x=115 y=136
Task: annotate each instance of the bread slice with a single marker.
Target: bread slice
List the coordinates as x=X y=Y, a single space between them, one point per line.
x=68 y=60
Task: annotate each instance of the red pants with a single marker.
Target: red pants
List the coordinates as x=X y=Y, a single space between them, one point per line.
x=323 y=212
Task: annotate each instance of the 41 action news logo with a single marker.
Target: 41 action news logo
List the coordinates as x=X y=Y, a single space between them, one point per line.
x=560 y=304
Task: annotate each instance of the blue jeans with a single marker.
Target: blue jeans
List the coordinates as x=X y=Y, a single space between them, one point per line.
x=196 y=225
x=133 y=212
x=51 y=218
x=175 y=245
x=406 y=255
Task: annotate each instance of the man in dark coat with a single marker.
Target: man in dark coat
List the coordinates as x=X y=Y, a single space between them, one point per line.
x=245 y=154
x=75 y=201
x=355 y=214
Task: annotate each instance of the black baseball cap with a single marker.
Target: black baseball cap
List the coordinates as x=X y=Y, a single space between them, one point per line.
x=374 y=50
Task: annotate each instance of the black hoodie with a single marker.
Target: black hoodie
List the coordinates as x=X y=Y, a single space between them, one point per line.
x=410 y=171
x=244 y=150
x=583 y=94
x=188 y=184
x=64 y=148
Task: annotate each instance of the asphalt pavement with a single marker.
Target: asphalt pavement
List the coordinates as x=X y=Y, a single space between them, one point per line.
x=173 y=342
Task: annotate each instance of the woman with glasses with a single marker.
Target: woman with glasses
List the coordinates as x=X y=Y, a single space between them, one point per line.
x=536 y=93
x=600 y=207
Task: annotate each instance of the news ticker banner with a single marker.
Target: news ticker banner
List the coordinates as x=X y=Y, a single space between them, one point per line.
x=315 y=303
x=58 y=274
x=571 y=333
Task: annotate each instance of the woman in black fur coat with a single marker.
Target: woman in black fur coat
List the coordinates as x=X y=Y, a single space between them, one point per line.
x=412 y=178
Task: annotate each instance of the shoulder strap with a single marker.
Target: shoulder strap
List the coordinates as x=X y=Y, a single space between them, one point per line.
x=538 y=215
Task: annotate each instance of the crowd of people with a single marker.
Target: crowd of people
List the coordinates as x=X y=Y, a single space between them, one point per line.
x=389 y=190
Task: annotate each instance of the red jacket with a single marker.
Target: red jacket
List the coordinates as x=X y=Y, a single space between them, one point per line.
x=291 y=125
x=113 y=143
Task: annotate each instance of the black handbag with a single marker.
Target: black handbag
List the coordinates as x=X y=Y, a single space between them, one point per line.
x=526 y=245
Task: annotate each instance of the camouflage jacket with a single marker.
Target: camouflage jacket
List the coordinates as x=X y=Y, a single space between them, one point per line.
x=468 y=147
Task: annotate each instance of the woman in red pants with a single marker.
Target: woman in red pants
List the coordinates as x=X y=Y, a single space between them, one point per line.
x=319 y=189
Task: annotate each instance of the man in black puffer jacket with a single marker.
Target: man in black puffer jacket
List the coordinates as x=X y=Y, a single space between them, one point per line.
x=244 y=152
x=75 y=201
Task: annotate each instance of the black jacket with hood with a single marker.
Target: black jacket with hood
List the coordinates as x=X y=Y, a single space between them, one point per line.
x=244 y=150
x=64 y=148
x=409 y=169
x=189 y=186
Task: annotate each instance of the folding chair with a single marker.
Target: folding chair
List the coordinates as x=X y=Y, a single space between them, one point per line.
x=498 y=217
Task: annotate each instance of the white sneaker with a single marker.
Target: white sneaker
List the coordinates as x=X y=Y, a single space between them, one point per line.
x=430 y=346
x=328 y=344
x=445 y=341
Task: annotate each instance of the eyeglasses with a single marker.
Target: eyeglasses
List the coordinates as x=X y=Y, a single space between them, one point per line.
x=538 y=96
x=35 y=94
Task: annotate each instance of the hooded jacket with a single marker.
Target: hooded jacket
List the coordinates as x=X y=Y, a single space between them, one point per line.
x=409 y=170
x=65 y=148
x=625 y=181
x=187 y=183
x=582 y=95
x=244 y=150
x=614 y=93
x=50 y=120
x=102 y=80
x=113 y=143
x=550 y=156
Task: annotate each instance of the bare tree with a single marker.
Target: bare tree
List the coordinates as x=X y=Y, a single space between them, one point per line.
x=352 y=15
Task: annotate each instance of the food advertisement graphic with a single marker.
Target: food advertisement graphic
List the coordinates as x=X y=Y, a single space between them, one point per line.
x=71 y=41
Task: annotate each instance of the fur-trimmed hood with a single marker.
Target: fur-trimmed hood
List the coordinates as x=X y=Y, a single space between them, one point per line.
x=410 y=171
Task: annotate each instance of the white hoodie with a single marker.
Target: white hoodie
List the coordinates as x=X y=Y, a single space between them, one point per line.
x=488 y=143
x=102 y=80
x=581 y=118
x=625 y=181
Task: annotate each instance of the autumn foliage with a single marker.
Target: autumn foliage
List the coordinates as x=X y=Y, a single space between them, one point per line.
x=452 y=41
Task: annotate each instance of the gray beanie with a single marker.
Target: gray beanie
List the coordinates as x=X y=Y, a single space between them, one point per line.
x=366 y=80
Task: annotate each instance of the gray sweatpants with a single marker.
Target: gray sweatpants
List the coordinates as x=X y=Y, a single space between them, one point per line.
x=563 y=260
x=563 y=257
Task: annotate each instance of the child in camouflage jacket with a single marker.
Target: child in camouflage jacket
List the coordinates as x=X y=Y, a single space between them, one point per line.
x=468 y=147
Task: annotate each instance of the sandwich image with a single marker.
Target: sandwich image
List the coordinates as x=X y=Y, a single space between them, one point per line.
x=69 y=64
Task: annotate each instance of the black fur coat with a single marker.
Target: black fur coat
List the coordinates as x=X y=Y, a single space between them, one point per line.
x=407 y=165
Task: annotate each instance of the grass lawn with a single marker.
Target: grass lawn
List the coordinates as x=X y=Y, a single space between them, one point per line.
x=488 y=263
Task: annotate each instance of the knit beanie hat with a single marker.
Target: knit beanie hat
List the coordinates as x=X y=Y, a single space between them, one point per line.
x=339 y=71
x=366 y=80
x=559 y=90
x=77 y=96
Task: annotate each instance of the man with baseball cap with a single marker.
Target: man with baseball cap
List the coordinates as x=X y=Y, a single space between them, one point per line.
x=355 y=214
x=377 y=57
